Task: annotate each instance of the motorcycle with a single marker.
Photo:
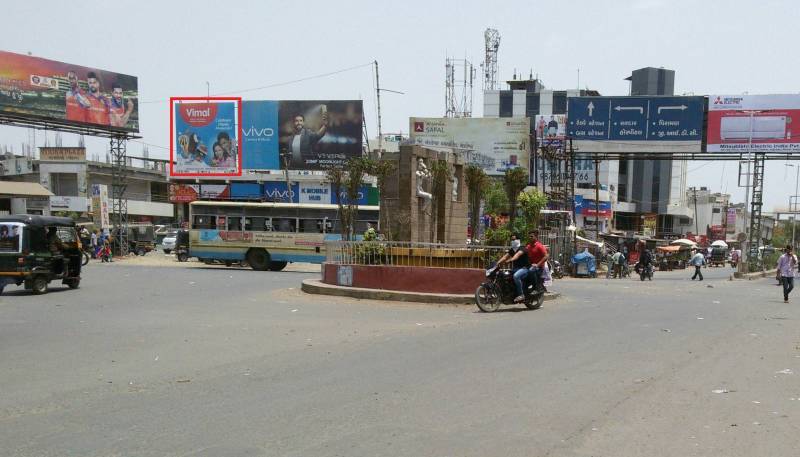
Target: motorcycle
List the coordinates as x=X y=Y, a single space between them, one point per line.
x=499 y=289
x=556 y=270
x=644 y=272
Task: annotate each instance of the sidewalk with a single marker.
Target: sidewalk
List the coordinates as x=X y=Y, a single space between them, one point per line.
x=316 y=286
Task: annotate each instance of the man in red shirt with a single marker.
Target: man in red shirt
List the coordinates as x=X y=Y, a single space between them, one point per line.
x=537 y=254
x=98 y=112
x=77 y=101
x=119 y=110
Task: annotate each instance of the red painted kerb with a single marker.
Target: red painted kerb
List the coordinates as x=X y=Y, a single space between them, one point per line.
x=408 y=279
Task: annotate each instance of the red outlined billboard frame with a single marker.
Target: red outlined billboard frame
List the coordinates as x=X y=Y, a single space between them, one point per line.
x=172 y=102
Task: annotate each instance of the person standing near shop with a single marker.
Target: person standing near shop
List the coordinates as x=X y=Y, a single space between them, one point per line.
x=697 y=261
x=787 y=266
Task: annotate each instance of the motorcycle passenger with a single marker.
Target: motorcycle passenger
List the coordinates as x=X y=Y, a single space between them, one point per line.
x=537 y=254
x=518 y=257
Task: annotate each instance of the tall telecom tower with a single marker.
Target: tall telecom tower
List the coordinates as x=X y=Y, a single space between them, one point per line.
x=492 y=40
x=459 y=77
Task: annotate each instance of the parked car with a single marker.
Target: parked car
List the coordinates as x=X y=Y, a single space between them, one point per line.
x=168 y=243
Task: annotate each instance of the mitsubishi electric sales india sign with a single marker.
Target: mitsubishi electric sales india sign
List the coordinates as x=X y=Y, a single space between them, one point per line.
x=756 y=123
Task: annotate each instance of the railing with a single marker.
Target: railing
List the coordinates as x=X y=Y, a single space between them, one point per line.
x=404 y=253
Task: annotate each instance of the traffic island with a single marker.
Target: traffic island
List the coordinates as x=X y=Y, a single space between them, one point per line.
x=316 y=286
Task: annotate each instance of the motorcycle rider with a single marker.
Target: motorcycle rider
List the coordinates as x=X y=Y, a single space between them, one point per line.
x=517 y=256
x=645 y=259
x=538 y=255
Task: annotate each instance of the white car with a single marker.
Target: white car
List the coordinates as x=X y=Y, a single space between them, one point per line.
x=168 y=244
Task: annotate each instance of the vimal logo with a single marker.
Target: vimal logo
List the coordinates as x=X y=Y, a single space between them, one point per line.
x=198 y=114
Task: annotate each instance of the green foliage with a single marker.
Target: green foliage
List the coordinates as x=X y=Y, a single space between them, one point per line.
x=514 y=181
x=477 y=183
x=498 y=237
x=370 y=253
x=531 y=204
x=440 y=175
x=348 y=180
x=496 y=201
x=382 y=170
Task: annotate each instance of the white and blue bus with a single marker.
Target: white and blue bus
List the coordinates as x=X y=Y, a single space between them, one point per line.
x=267 y=236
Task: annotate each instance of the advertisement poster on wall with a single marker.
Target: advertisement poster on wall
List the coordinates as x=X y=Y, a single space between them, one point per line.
x=206 y=139
x=758 y=123
x=496 y=144
x=46 y=90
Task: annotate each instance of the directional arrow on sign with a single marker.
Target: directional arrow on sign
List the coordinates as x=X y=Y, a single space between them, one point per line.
x=591 y=108
x=681 y=107
x=629 y=108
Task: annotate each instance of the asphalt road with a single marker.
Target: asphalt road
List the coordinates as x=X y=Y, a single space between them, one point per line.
x=178 y=361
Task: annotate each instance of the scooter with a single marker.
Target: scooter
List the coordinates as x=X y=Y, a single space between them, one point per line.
x=499 y=289
x=556 y=270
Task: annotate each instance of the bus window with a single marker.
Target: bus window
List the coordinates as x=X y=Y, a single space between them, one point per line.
x=204 y=222
x=256 y=224
x=311 y=225
x=234 y=223
x=284 y=224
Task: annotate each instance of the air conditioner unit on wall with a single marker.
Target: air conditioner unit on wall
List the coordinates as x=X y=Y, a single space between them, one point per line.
x=763 y=128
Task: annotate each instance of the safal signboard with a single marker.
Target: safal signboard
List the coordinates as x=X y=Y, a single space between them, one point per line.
x=495 y=144
x=636 y=124
x=757 y=123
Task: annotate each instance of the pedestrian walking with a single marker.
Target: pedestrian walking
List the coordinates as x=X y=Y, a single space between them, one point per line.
x=698 y=259
x=619 y=262
x=787 y=266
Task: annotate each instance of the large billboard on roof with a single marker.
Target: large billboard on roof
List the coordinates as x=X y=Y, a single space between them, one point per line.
x=757 y=123
x=495 y=144
x=36 y=89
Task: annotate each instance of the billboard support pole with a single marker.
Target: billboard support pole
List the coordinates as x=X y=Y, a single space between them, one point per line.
x=597 y=200
x=118 y=186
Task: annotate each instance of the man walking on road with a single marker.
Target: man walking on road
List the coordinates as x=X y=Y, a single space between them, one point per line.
x=697 y=261
x=787 y=265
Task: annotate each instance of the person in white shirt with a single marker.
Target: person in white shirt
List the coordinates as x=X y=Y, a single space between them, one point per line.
x=787 y=265
x=697 y=260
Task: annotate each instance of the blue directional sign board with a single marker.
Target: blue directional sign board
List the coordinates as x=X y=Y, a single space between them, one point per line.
x=635 y=118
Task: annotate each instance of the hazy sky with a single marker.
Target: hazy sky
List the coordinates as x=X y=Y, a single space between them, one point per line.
x=174 y=47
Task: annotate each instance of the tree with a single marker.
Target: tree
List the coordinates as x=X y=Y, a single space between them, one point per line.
x=531 y=203
x=496 y=201
x=477 y=184
x=346 y=184
x=382 y=170
x=514 y=181
x=440 y=175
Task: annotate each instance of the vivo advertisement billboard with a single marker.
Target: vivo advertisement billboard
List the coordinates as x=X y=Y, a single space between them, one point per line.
x=300 y=135
x=36 y=89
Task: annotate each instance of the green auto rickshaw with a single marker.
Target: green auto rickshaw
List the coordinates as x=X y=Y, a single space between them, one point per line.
x=35 y=250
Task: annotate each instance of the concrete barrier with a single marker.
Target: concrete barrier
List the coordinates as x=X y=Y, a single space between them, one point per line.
x=404 y=278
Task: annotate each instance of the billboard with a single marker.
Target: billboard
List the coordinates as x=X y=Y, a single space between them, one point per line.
x=758 y=123
x=315 y=135
x=205 y=139
x=550 y=129
x=496 y=144
x=59 y=154
x=38 y=89
x=649 y=124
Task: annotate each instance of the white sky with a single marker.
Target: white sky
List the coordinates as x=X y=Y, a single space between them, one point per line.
x=174 y=47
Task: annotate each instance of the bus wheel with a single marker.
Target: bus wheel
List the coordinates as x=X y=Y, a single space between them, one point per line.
x=277 y=266
x=258 y=259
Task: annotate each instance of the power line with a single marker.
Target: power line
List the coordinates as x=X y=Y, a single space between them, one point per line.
x=268 y=86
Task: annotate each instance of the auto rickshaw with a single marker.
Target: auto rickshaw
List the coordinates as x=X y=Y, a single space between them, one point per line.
x=26 y=256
